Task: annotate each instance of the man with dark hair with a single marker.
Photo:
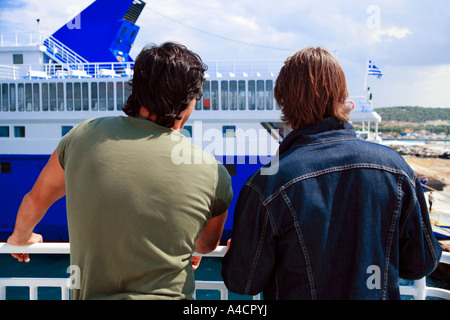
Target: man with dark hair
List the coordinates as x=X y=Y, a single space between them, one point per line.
x=135 y=215
x=342 y=218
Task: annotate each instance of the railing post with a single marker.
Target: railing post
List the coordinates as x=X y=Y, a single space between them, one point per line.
x=33 y=292
x=420 y=289
x=2 y=292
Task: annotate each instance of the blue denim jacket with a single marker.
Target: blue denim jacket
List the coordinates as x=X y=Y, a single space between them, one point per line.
x=342 y=218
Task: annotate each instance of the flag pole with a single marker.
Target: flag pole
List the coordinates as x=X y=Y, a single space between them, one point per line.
x=366 y=78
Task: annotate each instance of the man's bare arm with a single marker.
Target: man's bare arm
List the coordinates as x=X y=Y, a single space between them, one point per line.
x=49 y=187
x=211 y=233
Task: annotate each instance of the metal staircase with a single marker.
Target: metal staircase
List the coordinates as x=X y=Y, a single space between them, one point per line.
x=61 y=53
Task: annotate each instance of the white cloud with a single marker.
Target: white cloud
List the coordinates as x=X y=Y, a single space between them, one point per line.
x=388 y=34
x=401 y=86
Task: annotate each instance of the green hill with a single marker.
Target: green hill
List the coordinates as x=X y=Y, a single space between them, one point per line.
x=413 y=114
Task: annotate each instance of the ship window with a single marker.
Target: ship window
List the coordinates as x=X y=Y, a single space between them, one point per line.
x=233 y=95
x=110 y=95
x=36 y=97
x=19 y=132
x=4 y=131
x=45 y=100
x=127 y=91
x=187 y=131
x=123 y=30
x=102 y=95
x=206 y=96
x=17 y=58
x=269 y=94
x=5 y=106
x=5 y=167
x=260 y=94
x=132 y=34
x=242 y=94
x=215 y=95
x=228 y=131
x=198 y=103
x=61 y=96
x=12 y=97
x=65 y=130
x=231 y=168
x=28 y=97
x=119 y=94
x=251 y=95
x=77 y=96
x=224 y=91
x=69 y=96
x=85 y=93
x=53 y=96
x=20 y=97
x=94 y=96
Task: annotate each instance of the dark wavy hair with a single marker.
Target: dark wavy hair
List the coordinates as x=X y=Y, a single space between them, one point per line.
x=165 y=79
x=310 y=87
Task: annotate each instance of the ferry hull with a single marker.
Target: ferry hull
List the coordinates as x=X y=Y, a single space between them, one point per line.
x=23 y=170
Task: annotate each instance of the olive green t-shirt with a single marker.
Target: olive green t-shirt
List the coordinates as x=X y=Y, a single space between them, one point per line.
x=138 y=195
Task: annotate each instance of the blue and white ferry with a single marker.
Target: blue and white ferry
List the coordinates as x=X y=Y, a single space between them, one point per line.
x=49 y=84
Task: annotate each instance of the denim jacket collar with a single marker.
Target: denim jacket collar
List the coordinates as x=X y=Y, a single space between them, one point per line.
x=327 y=130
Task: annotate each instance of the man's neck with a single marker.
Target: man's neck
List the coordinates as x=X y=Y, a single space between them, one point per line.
x=177 y=126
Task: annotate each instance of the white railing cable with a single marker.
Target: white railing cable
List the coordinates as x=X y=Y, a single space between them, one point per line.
x=419 y=290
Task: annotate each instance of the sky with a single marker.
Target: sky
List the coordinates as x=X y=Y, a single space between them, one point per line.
x=407 y=39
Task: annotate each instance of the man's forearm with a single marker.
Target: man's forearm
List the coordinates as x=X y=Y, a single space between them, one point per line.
x=49 y=187
x=28 y=216
x=210 y=235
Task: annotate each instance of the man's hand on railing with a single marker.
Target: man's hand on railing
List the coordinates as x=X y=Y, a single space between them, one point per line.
x=16 y=240
x=195 y=261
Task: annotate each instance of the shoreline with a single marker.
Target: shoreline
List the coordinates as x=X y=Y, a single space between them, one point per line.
x=432 y=150
x=433 y=168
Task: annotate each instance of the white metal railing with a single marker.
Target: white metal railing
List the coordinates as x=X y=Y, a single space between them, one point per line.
x=74 y=66
x=54 y=47
x=239 y=68
x=66 y=70
x=8 y=72
x=62 y=52
x=15 y=39
x=64 y=283
x=419 y=290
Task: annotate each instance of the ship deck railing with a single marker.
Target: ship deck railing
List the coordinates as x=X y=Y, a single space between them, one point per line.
x=87 y=70
x=418 y=290
x=60 y=71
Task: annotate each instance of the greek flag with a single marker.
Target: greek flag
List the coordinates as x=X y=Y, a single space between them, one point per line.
x=374 y=70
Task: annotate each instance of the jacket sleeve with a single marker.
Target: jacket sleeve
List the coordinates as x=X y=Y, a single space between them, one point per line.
x=248 y=264
x=420 y=252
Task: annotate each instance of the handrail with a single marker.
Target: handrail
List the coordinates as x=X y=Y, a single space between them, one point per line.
x=64 y=248
x=15 y=39
x=418 y=290
x=60 y=51
x=67 y=70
